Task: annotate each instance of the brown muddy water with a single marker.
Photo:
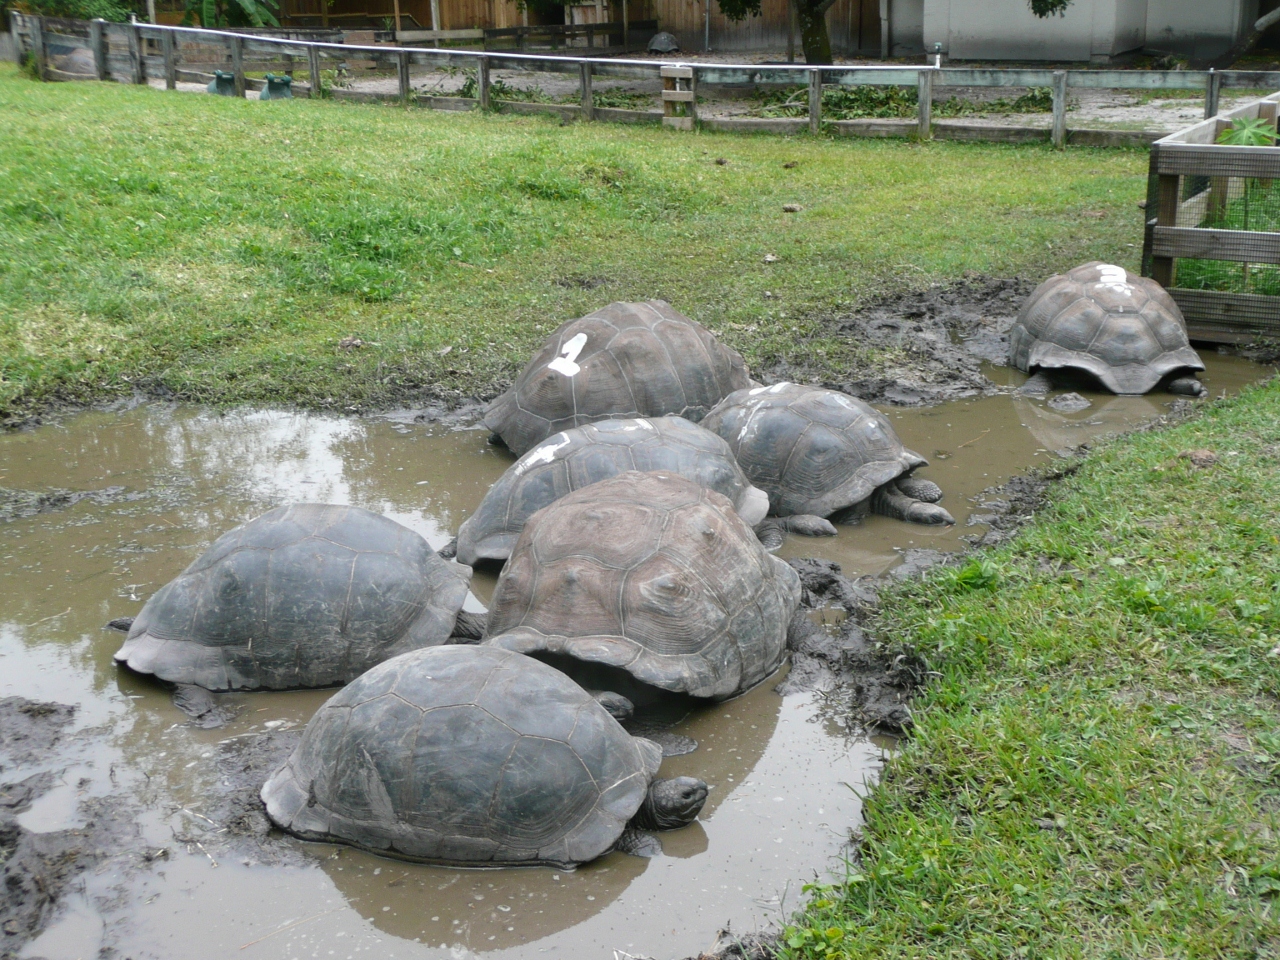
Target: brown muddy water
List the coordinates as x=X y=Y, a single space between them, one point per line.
x=785 y=776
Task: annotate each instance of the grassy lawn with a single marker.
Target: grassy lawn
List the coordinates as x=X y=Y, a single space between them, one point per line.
x=1095 y=771
x=221 y=251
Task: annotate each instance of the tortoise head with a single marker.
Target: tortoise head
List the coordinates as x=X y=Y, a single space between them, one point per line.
x=671 y=803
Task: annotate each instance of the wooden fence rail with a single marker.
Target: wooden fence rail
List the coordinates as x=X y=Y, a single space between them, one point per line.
x=139 y=51
x=1192 y=180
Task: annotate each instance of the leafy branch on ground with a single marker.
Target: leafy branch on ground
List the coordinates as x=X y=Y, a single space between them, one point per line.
x=1096 y=769
x=854 y=103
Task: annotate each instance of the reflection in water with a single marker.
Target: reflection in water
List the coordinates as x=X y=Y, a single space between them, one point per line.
x=784 y=774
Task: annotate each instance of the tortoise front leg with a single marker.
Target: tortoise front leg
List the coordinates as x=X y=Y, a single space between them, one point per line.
x=1037 y=385
x=889 y=501
x=1188 y=387
x=918 y=488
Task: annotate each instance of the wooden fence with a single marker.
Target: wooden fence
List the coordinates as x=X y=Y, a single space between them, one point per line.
x=135 y=53
x=1197 y=190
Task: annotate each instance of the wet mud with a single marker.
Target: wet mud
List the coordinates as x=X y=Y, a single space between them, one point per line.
x=135 y=805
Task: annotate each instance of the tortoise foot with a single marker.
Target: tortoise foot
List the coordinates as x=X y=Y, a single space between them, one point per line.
x=1188 y=387
x=120 y=623
x=890 y=501
x=807 y=525
x=771 y=534
x=615 y=704
x=918 y=488
x=639 y=843
x=1037 y=386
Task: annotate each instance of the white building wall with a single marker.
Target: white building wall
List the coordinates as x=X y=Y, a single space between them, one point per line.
x=1090 y=30
x=906 y=26
x=1198 y=28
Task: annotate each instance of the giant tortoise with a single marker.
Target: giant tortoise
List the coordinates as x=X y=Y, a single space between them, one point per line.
x=473 y=756
x=584 y=455
x=626 y=360
x=646 y=582
x=820 y=452
x=1123 y=329
x=308 y=595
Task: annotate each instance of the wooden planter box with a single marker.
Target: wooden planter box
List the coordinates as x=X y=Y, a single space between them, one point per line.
x=1195 y=184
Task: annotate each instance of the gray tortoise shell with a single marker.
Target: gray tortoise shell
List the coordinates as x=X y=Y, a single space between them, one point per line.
x=652 y=574
x=587 y=454
x=464 y=755
x=813 y=450
x=626 y=360
x=1121 y=328
x=308 y=595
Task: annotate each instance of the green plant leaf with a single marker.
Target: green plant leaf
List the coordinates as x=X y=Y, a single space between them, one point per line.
x=1245 y=132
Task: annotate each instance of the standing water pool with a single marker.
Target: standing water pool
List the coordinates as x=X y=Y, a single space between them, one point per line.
x=132 y=495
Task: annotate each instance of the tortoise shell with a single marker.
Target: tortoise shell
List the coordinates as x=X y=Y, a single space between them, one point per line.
x=308 y=595
x=651 y=574
x=1121 y=328
x=813 y=450
x=627 y=360
x=587 y=454
x=464 y=755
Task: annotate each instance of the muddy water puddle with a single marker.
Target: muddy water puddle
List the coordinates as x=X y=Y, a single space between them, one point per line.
x=785 y=777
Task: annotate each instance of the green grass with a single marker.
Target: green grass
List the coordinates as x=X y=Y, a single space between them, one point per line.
x=1257 y=209
x=1095 y=770
x=221 y=251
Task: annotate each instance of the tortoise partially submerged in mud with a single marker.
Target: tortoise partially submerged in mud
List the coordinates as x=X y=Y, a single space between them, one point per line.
x=585 y=455
x=644 y=581
x=1123 y=329
x=308 y=595
x=820 y=453
x=626 y=360
x=474 y=756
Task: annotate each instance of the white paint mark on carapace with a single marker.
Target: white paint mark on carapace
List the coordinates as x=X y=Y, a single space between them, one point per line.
x=1114 y=278
x=568 y=354
x=544 y=453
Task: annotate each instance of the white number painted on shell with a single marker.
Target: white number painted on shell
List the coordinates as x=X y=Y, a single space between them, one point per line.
x=568 y=354
x=1114 y=278
x=542 y=454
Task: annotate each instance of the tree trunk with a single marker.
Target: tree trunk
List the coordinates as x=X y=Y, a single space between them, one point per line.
x=813 y=31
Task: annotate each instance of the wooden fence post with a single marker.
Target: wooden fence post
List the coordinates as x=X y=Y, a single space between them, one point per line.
x=1059 y=109
x=402 y=73
x=588 y=96
x=236 y=43
x=1162 y=268
x=170 y=67
x=924 y=104
x=138 y=69
x=482 y=81
x=1212 y=86
x=313 y=65
x=35 y=31
x=815 y=99
x=98 y=47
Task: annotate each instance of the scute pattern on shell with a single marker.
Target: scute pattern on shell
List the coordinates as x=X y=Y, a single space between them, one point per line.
x=814 y=451
x=1121 y=328
x=307 y=595
x=464 y=755
x=653 y=574
x=584 y=455
x=626 y=360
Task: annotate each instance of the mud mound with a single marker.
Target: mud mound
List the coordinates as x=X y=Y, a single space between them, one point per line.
x=928 y=345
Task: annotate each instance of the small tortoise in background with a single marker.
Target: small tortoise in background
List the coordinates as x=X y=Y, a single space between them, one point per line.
x=474 y=756
x=585 y=455
x=309 y=595
x=645 y=581
x=819 y=453
x=626 y=360
x=1123 y=329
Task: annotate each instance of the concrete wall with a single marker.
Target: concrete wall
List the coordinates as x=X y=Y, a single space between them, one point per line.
x=906 y=25
x=1091 y=30
x=1200 y=29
